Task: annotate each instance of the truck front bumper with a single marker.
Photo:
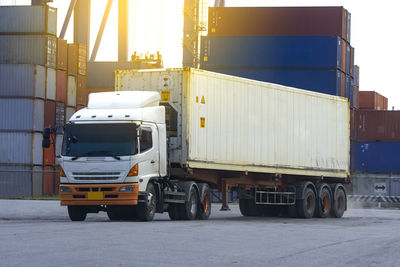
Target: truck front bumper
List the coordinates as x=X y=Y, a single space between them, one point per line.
x=98 y=194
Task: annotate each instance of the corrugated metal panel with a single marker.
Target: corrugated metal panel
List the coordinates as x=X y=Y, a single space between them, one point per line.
x=51 y=81
x=277 y=21
x=68 y=113
x=49 y=114
x=272 y=52
x=356 y=75
x=28 y=19
x=37 y=181
x=71 y=91
x=22 y=80
x=21 y=148
x=48 y=155
x=323 y=81
x=28 y=49
x=49 y=180
x=376 y=157
x=21 y=114
x=292 y=131
x=102 y=74
x=77 y=59
x=81 y=92
x=371 y=184
x=16 y=181
x=377 y=125
x=395 y=186
x=62 y=54
x=61 y=86
x=372 y=100
x=356 y=97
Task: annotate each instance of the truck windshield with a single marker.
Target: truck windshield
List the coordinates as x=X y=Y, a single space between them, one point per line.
x=97 y=140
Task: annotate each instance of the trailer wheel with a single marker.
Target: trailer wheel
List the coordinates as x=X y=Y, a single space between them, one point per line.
x=249 y=208
x=77 y=213
x=306 y=206
x=339 y=203
x=147 y=209
x=204 y=211
x=173 y=212
x=243 y=206
x=188 y=211
x=324 y=203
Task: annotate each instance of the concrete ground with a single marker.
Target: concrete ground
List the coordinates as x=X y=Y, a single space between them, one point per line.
x=39 y=233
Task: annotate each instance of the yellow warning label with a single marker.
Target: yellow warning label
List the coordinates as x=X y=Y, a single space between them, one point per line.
x=197 y=99
x=205 y=58
x=203 y=101
x=165 y=96
x=202 y=122
x=212 y=29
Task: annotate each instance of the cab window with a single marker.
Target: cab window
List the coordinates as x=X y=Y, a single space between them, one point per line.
x=146 y=140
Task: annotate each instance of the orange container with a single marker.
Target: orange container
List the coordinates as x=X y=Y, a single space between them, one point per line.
x=62 y=54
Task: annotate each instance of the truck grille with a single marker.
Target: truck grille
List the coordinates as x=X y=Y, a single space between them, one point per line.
x=96 y=175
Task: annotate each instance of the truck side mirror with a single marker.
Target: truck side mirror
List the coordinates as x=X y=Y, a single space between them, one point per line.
x=46 y=138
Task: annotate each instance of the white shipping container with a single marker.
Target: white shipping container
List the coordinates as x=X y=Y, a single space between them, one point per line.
x=28 y=49
x=22 y=80
x=21 y=148
x=231 y=123
x=21 y=114
x=51 y=84
x=71 y=91
x=28 y=19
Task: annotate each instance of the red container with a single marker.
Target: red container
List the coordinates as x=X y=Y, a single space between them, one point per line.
x=49 y=181
x=81 y=92
x=372 y=100
x=48 y=155
x=356 y=97
x=277 y=21
x=61 y=86
x=49 y=114
x=377 y=125
x=62 y=54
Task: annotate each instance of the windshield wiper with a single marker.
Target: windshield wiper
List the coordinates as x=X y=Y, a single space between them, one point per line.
x=100 y=152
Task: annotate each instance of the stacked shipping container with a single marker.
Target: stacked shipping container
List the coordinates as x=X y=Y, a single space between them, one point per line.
x=303 y=47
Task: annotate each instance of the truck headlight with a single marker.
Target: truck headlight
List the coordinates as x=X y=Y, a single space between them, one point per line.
x=128 y=188
x=65 y=189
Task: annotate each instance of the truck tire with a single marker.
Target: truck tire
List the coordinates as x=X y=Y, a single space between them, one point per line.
x=188 y=211
x=173 y=212
x=339 y=203
x=324 y=202
x=249 y=208
x=77 y=213
x=147 y=209
x=243 y=207
x=306 y=206
x=204 y=210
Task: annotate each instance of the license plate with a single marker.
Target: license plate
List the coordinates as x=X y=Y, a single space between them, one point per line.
x=95 y=196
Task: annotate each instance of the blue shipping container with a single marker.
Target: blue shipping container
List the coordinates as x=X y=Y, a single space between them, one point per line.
x=375 y=157
x=350 y=90
x=322 y=81
x=272 y=51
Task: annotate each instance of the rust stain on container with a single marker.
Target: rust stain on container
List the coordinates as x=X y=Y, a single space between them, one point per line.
x=278 y=21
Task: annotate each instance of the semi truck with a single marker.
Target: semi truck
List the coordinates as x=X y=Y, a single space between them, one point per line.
x=165 y=137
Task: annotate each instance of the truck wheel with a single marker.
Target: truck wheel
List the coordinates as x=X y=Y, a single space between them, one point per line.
x=339 y=203
x=243 y=206
x=249 y=208
x=204 y=211
x=77 y=213
x=173 y=212
x=188 y=211
x=324 y=203
x=306 y=207
x=147 y=209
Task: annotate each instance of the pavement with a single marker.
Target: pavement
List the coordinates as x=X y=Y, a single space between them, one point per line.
x=39 y=233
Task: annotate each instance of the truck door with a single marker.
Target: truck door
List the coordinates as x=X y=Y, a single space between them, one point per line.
x=149 y=163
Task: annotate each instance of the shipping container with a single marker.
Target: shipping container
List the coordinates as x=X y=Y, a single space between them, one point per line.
x=48 y=155
x=102 y=74
x=209 y=104
x=344 y=61
x=348 y=58
x=77 y=59
x=61 y=86
x=28 y=20
x=376 y=157
x=69 y=112
x=22 y=80
x=81 y=92
x=331 y=82
x=356 y=75
x=352 y=61
x=49 y=114
x=21 y=114
x=272 y=52
x=278 y=21
x=20 y=181
x=71 y=91
x=372 y=100
x=62 y=54
x=348 y=26
x=350 y=90
x=60 y=116
x=356 y=97
x=51 y=83
x=377 y=125
x=21 y=148
x=49 y=181
x=28 y=49
x=59 y=139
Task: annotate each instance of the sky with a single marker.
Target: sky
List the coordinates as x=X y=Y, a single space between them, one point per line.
x=157 y=26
